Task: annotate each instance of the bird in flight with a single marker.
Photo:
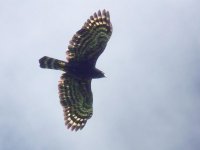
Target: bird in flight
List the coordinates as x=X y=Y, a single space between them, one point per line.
x=79 y=69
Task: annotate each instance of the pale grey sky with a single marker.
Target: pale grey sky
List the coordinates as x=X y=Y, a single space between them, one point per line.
x=150 y=98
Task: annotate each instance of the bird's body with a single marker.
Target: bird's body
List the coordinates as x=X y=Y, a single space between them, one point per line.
x=83 y=70
x=75 y=84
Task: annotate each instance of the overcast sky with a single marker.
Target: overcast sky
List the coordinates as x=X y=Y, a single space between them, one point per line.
x=150 y=99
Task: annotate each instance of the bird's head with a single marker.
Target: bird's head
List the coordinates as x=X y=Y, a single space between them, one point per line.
x=98 y=74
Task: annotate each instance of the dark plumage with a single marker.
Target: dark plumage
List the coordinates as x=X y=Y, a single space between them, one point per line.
x=75 y=84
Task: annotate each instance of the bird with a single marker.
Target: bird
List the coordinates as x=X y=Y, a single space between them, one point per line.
x=79 y=69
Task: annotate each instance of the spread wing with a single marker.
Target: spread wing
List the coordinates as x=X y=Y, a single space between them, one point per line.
x=76 y=99
x=90 y=41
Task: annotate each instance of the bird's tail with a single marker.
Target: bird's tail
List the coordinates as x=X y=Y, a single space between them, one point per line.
x=51 y=63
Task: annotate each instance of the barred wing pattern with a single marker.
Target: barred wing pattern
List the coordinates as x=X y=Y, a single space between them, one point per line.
x=76 y=99
x=90 y=41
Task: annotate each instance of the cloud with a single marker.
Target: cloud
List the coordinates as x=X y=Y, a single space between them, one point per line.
x=150 y=98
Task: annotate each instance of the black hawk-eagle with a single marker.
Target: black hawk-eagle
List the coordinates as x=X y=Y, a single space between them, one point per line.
x=75 y=84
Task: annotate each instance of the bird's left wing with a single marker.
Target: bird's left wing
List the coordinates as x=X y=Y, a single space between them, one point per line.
x=76 y=99
x=90 y=41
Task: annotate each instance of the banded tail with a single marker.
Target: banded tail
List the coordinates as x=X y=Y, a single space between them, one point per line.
x=51 y=63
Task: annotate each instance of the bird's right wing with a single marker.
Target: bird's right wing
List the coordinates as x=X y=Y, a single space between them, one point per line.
x=76 y=99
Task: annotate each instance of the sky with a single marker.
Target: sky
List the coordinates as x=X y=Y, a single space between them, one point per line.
x=149 y=99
